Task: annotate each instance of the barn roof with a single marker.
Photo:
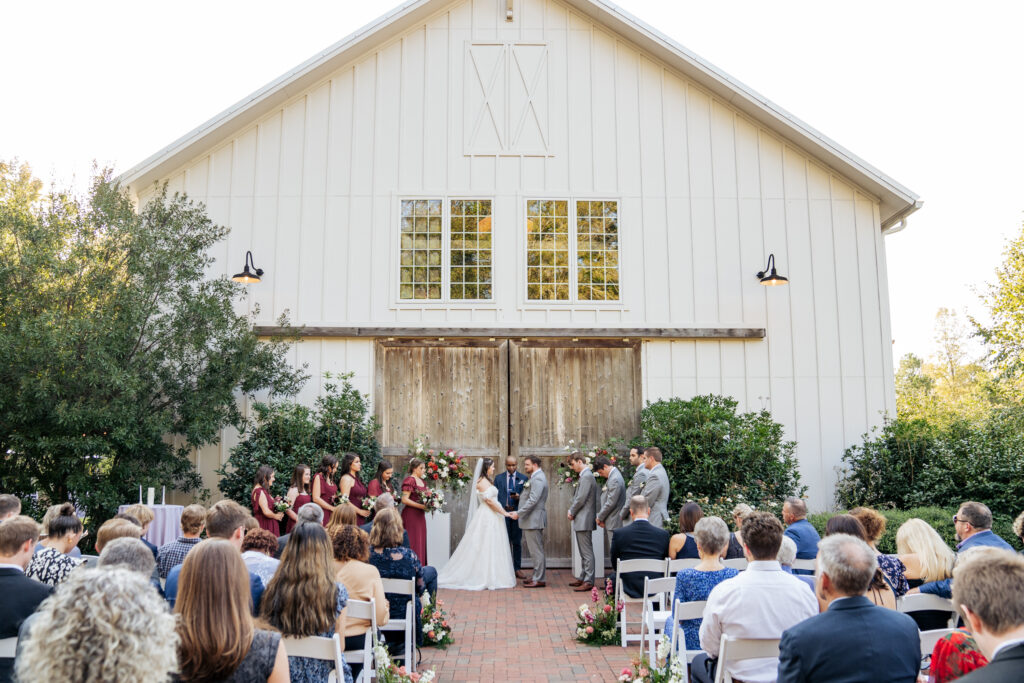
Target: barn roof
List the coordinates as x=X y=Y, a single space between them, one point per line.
x=896 y=201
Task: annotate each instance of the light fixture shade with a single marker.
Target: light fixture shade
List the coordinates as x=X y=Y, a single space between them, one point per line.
x=248 y=276
x=769 y=277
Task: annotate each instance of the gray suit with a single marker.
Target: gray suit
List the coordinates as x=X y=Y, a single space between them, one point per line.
x=533 y=518
x=636 y=485
x=656 y=493
x=612 y=500
x=584 y=521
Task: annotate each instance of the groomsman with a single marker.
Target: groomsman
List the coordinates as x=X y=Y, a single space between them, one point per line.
x=583 y=515
x=636 y=484
x=613 y=496
x=510 y=487
x=655 y=488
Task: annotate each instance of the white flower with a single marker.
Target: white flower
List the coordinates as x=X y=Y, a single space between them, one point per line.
x=583 y=608
x=441 y=461
x=425 y=598
x=426 y=628
x=427 y=676
x=419 y=449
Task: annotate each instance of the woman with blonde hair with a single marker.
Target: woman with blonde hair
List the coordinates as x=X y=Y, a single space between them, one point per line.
x=219 y=641
x=735 y=549
x=344 y=515
x=926 y=558
x=100 y=625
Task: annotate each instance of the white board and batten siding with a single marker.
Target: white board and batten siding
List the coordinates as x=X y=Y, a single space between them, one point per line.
x=705 y=194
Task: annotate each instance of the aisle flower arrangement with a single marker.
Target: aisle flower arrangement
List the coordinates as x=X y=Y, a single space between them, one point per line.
x=598 y=624
x=643 y=671
x=388 y=672
x=437 y=623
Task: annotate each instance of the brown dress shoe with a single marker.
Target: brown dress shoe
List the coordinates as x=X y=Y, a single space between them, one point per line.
x=576 y=583
x=585 y=587
x=534 y=584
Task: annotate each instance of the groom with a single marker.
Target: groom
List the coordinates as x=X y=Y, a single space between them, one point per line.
x=533 y=517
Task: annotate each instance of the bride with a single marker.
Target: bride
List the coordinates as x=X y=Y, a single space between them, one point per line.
x=483 y=560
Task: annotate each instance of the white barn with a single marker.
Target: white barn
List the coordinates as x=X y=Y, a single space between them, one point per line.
x=517 y=220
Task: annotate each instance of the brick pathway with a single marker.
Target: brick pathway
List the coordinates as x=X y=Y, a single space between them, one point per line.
x=522 y=634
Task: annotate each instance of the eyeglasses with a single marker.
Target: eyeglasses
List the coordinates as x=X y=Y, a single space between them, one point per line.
x=957 y=519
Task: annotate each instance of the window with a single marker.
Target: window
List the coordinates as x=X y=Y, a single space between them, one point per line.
x=445 y=249
x=572 y=250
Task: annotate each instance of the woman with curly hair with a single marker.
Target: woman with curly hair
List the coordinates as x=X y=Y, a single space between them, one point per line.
x=304 y=599
x=219 y=640
x=101 y=625
x=351 y=552
x=891 y=565
x=258 y=549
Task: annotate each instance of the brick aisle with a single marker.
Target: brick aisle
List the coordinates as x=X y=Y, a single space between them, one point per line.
x=522 y=634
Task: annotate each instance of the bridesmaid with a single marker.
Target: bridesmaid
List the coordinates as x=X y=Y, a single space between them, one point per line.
x=413 y=514
x=324 y=488
x=263 y=502
x=298 y=493
x=350 y=484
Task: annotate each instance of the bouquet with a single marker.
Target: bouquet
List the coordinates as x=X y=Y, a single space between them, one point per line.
x=598 y=624
x=280 y=505
x=644 y=672
x=369 y=502
x=340 y=499
x=432 y=500
x=387 y=672
x=437 y=631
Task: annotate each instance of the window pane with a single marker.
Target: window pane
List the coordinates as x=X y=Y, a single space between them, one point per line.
x=547 y=245
x=470 y=244
x=420 y=248
x=597 y=249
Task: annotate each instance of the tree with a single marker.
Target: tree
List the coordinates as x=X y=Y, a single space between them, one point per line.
x=1004 y=336
x=118 y=355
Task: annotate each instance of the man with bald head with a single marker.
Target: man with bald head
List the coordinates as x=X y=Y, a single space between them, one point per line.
x=510 y=487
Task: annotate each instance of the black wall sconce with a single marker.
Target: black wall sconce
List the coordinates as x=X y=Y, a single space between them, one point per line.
x=769 y=277
x=247 y=275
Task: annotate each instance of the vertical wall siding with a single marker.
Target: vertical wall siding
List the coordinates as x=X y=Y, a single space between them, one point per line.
x=705 y=195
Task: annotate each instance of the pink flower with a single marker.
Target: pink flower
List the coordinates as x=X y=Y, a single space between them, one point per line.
x=607 y=609
x=590 y=629
x=593 y=594
x=626 y=672
x=642 y=672
x=414 y=677
x=401 y=670
x=608 y=589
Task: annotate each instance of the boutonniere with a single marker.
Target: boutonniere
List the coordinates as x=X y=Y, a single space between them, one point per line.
x=526 y=485
x=604 y=488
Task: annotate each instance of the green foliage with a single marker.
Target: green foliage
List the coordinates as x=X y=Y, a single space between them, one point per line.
x=285 y=434
x=1004 y=299
x=712 y=451
x=118 y=355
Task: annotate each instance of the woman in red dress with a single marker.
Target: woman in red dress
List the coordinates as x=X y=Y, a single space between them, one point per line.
x=383 y=482
x=324 y=488
x=263 y=502
x=350 y=485
x=413 y=514
x=298 y=494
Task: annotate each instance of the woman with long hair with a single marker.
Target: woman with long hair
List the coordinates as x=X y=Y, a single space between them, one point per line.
x=324 y=488
x=351 y=551
x=298 y=495
x=218 y=639
x=52 y=564
x=414 y=517
x=350 y=485
x=879 y=592
x=383 y=482
x=263 y=502
x=394 y=561
x=926 y=558
x=682 y=545
x=343 y=516
x=304 y=599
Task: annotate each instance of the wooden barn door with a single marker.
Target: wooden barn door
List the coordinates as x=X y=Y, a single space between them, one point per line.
x=560 y=390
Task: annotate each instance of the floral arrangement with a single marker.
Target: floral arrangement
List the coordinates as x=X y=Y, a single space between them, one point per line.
x=598 y=624
x=445 y=468
x=369 y=502
x=644 y=672
x=437 y=631
x=280 y=505
x=387 y=672
x=432 y=500
x=340 y=499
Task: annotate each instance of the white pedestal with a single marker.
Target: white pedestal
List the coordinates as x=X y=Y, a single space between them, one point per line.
x=577 y=562
x=439 y=533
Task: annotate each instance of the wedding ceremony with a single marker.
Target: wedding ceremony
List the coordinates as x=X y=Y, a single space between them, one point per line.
x=511 y=340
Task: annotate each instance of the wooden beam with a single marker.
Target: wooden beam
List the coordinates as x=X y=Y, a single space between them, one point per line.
x=519 y=332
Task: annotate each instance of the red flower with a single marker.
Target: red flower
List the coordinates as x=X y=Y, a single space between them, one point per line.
x=435 y=476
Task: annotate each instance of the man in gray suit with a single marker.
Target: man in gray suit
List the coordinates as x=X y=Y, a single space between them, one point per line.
x=613 y=495
x=636 y=484
x=656 y=487
x=533 y=518
x=583 y=515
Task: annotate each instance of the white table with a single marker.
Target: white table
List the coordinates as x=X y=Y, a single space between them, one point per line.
x=166 y=525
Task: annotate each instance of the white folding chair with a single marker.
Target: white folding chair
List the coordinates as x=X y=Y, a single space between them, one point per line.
x=736 y=563
x=315 y=647
x=625 y=567
x=652 y=620
x=407 y=624
x=735 y=649
x=929 y=638
x=684 y=611
x=366 y=610
x=920 y=602
x=8 y=647
x=674 y=566
x=804 y=564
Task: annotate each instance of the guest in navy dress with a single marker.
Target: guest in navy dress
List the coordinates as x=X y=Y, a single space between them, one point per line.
x=395 y=561
x=350 y=485
x=682 y=546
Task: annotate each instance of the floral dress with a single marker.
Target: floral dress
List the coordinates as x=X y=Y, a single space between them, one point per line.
x=50 y=566
x=954 y=656
x=399 y=563
x=693 y=585
x=309 y=670
x=895 y=573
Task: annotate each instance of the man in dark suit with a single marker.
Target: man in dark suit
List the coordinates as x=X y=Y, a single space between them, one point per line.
x=510 y=486
x=639 y=540
x=21 y=595
x=888 y=647
x=987 y=588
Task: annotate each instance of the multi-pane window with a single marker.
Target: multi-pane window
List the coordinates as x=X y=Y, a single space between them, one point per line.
x=572 y=250
x=445 y=248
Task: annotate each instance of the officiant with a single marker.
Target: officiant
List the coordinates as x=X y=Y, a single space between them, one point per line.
x=510 y=486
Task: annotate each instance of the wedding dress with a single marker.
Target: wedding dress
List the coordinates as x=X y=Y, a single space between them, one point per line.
x=483 y=560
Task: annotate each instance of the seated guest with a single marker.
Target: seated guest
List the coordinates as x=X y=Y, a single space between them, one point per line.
x=128 y=553
x=682 y=546
x=954 y=656
x=310 y=513
x=351 y=552
x=642 y=541
x=787 y=553
x=711 y=536
x=115 y=528
x=218 y=639
x=803 y=533
x=258 y=548
x=1018 y=527
x=395 y=561
x=926 y=558
x=739 y=513
x=193 y=519
x=21 y=595
x=52 y=564
x=888 y=646
x=973 y=525
x=100 y=625
x=987 y=589
x=10 y=506
x=880 y=592
x=51 y=514
x=429 y=574
x=891 y=565
x=344 y=515
x=145 y=516
x=304 y=599
x=225 y=520
x=761 y=602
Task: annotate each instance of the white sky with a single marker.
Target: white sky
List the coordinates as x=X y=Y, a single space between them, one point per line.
x=930 y=92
